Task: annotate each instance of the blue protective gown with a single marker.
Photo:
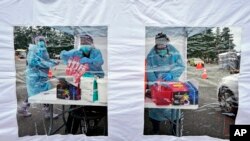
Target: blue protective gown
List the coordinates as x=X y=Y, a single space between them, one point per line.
x=37 y=70
x=156 y=67
x=95 y=60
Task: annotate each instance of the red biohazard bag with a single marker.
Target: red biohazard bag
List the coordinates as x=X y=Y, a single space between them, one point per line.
x=76 y=69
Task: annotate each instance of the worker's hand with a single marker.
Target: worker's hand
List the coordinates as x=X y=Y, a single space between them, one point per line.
x=85 y=60
x=167 y=76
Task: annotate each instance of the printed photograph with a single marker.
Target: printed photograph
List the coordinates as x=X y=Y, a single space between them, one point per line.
x=191 y=80
x=61 y=80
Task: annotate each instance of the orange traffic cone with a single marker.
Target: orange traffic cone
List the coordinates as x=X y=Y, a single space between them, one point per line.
x=199 y=66
x=204 y=74
x=50 y=73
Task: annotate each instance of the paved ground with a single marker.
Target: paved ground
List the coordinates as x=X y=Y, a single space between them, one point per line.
x=208 y=118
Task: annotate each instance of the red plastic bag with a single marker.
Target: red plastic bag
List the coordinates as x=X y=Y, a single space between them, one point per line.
x=76 y=69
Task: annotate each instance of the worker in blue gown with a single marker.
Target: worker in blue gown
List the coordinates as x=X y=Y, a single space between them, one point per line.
x=37 y=80
x=39 y=64
x=92 y=56
x=163 y=63
x=88 y=54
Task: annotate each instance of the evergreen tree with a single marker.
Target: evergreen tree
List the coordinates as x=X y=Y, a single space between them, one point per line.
x=202 y=45
x=207 y=45
x=193 y=47
x=226 y=41
x=56 y=40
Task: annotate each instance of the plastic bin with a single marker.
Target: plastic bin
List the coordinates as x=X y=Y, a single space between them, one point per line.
x=89 y=95
x=193 y=93
x=102 y=90
x=87 y=83
x=88 y=86
x=65 y=90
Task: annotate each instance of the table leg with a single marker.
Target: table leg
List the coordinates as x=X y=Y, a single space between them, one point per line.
x=172 y=121
x=51 y=119
x=178 y=123
x=181 y=122
x=105 y=133
x=63 y=114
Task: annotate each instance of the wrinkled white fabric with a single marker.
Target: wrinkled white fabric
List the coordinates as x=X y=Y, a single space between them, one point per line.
x=126 y=21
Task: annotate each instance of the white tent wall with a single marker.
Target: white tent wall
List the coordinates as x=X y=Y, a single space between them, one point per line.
x=244 y=97
x=8 y=18
x=126 y=22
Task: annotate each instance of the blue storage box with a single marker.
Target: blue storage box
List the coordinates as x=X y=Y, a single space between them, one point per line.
x=193 y=93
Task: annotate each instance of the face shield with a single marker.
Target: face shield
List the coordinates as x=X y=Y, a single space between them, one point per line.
x=86 y=40
x=86 y=44
x=161 y=41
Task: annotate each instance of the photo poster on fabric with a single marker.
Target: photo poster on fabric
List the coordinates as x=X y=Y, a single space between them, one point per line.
x=178 y=39
x=212 y=65
x=46 y=60
x=126 y=21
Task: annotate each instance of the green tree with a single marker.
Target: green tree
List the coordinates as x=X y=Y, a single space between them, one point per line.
x=208 y=45
x=193 y=47
x=202 y=45
x=226 y=43
x=56 y=40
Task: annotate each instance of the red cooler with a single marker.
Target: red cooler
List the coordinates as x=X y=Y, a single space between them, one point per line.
x=161 y=95
x=173 y=93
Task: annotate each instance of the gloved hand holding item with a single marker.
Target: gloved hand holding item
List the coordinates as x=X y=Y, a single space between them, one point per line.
x=167 y=76
x=85 y=60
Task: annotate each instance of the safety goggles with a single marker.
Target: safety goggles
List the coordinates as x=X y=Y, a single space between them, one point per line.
x=161 y=47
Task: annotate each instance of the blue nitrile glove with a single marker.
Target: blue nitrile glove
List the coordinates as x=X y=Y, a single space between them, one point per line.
x=167 y=76
x=85 y=60
x=64 y=57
